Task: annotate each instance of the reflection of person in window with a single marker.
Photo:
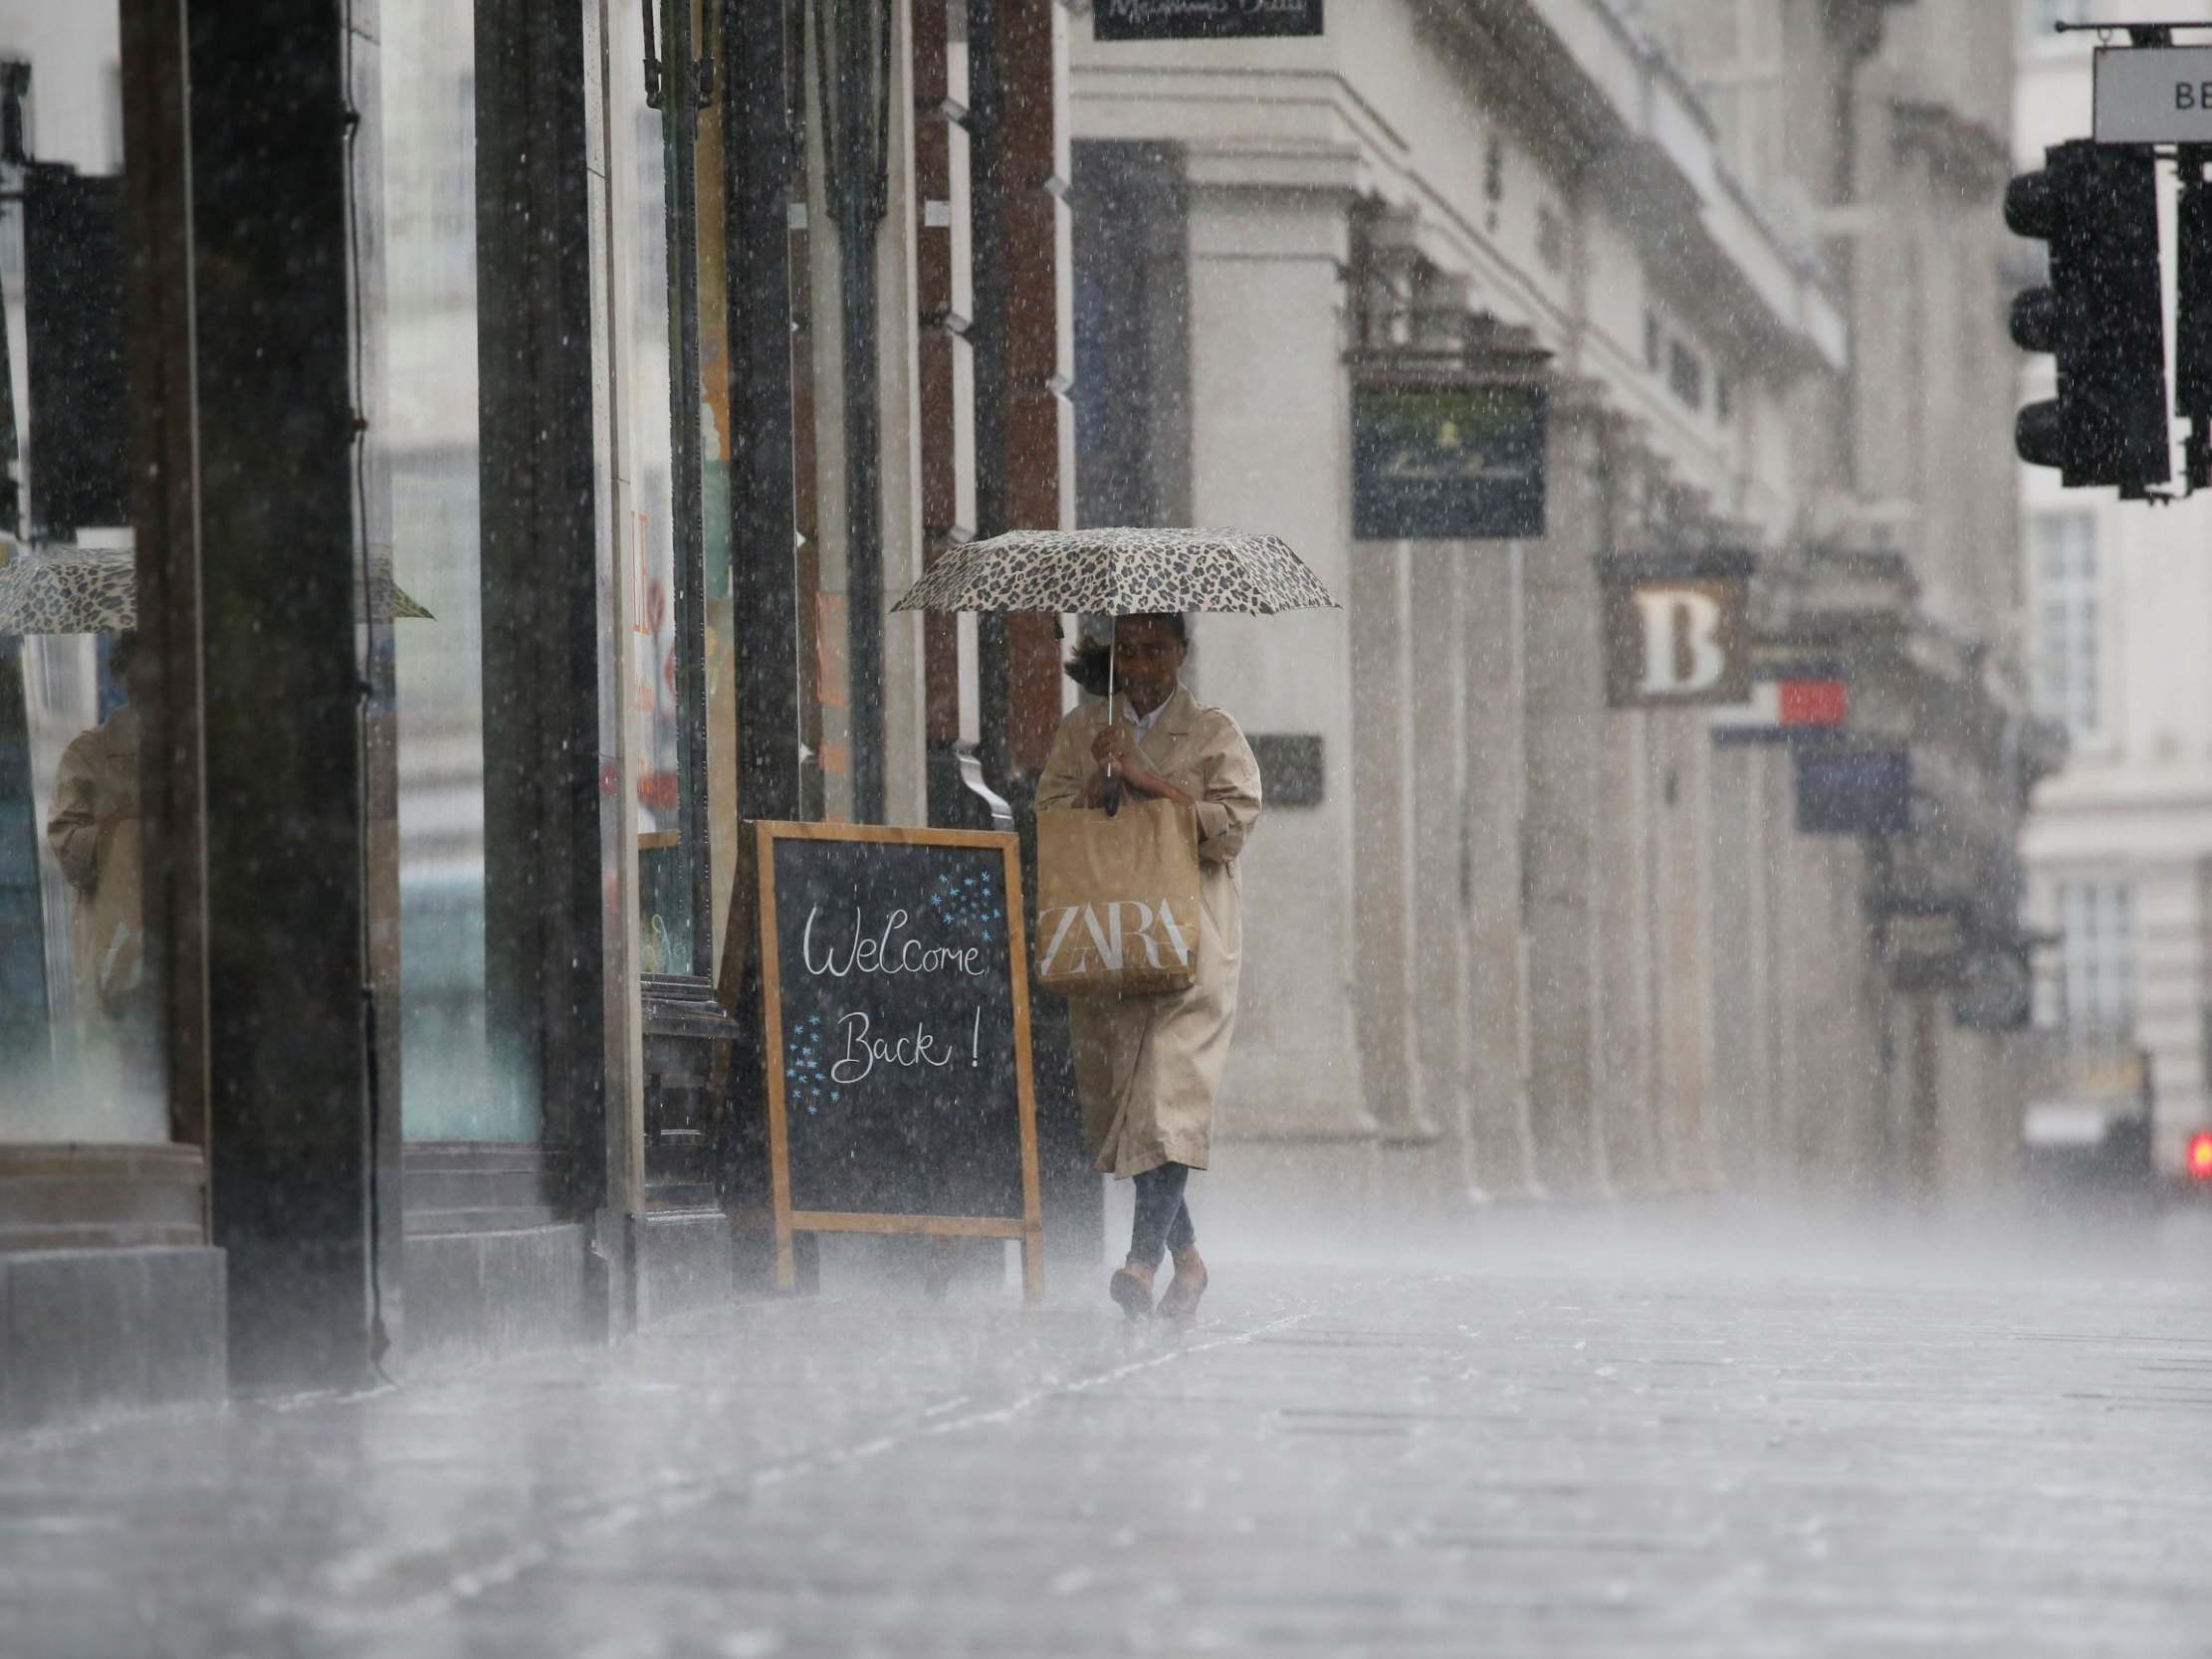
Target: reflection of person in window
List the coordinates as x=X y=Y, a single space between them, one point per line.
x=94 y=830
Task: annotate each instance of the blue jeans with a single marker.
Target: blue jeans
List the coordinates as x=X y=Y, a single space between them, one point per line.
x=1162 y=1221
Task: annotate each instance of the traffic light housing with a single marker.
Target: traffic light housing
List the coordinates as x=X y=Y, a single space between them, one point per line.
x=2193 y=345
x=2096 y=206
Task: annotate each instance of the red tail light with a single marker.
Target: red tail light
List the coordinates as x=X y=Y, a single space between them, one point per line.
x=2200 y=1155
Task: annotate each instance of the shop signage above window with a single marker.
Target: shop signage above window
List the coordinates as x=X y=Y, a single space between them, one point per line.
x=1924 y=941
x=1676 y=634
x=1203 y=20
x=1795 y=703
x=1996 y=991
x=1855 y=792
x=1290 y=768
x=1441 y=462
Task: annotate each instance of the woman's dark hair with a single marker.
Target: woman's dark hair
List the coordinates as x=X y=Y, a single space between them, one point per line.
x=1090 y=666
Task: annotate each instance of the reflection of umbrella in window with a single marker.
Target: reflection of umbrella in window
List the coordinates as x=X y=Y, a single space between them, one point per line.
x=94 y=590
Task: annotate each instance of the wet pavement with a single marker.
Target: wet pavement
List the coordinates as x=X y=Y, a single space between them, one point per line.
x=1619 y=1445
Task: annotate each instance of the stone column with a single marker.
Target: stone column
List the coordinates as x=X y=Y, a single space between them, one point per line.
x=1786 y=871
x=1683 y=913
x=1499 y=1148
x=1386 y=983
x=1565 y=724
x=1436 y=893
x=1737 y=981
x=1270 y=440
x=1621 y=891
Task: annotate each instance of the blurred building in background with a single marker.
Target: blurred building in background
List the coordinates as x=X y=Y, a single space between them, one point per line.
x=2118 y=638
x=1506 y=940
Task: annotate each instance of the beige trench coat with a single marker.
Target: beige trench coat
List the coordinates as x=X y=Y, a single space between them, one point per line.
x=94 y=831
x=1147 y=1067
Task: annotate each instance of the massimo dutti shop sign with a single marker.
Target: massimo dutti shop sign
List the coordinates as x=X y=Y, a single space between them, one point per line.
x=1205 y=20
x=1676 y=633
x=1435 y=461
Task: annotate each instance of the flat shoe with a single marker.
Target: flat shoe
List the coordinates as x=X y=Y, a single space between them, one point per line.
x=1131 y=1289
x=1180 y=1303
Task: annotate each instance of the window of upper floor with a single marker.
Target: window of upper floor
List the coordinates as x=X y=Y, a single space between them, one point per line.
x=2093 y=988
x=2066 y=582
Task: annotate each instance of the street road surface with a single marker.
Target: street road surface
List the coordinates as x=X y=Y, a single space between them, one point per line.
x=1547 y=1436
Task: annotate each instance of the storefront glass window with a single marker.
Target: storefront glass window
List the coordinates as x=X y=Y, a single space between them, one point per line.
x=667 y=167
x=647 y=176
x=451 y=1086
x=80 y=1044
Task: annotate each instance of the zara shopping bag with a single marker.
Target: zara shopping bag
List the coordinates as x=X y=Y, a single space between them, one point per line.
x=1118 y=898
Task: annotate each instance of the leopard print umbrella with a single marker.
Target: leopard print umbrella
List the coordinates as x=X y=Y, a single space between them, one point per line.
x=94 y=590
x=1120 y=572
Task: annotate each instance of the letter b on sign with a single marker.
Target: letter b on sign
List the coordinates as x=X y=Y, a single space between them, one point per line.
x=1674 y=630
x=1681 y=642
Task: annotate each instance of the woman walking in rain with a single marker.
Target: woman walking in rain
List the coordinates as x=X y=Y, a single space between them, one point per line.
x=1147 y=1066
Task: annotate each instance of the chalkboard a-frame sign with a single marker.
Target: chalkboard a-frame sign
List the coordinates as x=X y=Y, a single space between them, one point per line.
x=895 y=995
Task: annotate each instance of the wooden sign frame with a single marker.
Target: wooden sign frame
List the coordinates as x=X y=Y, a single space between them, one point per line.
x=1028 y=1227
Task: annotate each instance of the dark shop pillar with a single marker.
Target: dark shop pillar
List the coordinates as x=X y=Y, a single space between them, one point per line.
x=294 y=1115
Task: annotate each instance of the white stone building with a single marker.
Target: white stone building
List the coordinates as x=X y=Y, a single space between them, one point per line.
x=1523 y=944
x=2119 y=636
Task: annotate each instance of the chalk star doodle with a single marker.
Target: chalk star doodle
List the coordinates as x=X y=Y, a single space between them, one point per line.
x=970 y=906
x=805 y=1079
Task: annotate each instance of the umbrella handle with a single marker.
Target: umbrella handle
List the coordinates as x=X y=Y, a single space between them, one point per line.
x=1114 y=789
x=1112 y=645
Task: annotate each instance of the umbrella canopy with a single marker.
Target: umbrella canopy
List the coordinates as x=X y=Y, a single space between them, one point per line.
x=1121 y=572
x=94 y=590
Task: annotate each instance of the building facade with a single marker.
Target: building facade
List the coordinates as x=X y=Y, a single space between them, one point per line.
x=531 y=415
x=1517 y=942
x=533 y=412
x=2118 y=848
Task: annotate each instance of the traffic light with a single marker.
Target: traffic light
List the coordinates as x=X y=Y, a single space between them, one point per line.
x=2096 y=206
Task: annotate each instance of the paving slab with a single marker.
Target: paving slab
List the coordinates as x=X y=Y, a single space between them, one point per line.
x=1554 y=1446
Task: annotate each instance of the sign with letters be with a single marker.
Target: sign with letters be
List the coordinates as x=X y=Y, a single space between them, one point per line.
x=2153 y=96
x=895 y=1002
x=1674 y=628
x=1185 y=20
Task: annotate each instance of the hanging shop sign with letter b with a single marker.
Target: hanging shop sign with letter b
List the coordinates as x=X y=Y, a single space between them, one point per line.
x=1674 y=628
x=1203 y=20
